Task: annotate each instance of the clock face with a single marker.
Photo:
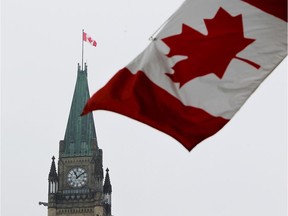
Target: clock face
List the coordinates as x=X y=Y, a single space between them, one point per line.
x=77 y=177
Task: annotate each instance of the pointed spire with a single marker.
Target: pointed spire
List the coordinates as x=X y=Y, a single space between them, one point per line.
x=107 y=185
x=80 y=136
x=53 y=178
x=53 y=174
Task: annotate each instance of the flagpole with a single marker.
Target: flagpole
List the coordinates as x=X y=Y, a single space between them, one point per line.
x=82 y=47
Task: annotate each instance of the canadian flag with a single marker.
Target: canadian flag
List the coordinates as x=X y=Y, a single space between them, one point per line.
x=200 y=68
x=89 y=39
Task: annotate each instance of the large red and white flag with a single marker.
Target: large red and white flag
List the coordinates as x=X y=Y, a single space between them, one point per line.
x=201 y=67
x=89 y=39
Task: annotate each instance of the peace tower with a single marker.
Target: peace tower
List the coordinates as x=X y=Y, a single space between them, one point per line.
x=79 y=188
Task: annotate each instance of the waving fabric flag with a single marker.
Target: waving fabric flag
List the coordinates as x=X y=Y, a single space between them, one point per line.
x=89 y=39
x=200 y=68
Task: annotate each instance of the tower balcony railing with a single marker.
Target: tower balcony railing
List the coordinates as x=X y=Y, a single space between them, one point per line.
x=76 y=194
x=76 y=191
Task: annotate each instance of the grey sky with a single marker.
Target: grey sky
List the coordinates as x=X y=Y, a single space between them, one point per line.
x=242 y=170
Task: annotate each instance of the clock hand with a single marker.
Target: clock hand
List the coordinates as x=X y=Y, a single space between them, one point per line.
x=80 y=175
x=75 y=174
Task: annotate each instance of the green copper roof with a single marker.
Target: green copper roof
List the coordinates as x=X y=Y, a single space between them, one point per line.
x=80 y=136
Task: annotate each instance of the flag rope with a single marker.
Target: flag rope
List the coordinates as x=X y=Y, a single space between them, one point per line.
x=152 y=37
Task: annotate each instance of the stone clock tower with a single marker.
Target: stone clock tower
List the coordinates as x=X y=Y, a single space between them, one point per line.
x=79 y=187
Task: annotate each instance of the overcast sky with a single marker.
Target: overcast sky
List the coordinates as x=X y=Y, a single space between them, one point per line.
x=242 y=170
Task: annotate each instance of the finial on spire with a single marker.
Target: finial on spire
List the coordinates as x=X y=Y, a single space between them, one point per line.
x=53 y=174
x=107 y=189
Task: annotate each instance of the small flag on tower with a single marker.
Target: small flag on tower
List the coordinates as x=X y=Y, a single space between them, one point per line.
x=89 y=39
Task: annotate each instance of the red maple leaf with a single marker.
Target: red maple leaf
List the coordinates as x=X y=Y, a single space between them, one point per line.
x=209 y=53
